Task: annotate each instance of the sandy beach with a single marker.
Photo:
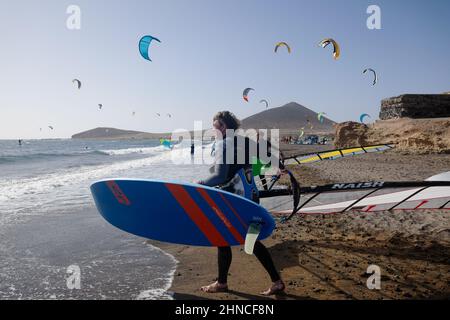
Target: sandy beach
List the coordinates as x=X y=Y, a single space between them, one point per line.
x=326 y=257
x=120 y=119
x=319 y=257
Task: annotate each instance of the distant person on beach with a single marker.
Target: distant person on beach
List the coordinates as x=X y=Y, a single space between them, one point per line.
x=229 y=177
x=20 y=142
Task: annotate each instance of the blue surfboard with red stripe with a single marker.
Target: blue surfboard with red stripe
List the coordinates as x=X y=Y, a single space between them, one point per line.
x=180 y=213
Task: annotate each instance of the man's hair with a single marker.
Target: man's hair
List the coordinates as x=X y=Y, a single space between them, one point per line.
x=228 y=119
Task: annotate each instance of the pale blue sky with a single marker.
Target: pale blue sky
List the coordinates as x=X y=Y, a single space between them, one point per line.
x=211 y=50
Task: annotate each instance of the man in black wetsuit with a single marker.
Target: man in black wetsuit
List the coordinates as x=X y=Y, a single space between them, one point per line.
x=236 y=178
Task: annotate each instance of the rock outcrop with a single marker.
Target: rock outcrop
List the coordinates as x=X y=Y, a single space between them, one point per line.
x=410 y=135
x=416 y=106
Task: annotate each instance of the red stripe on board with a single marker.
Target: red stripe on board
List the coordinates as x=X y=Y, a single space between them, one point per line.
x=220 y=214
x=421 y=204
x=118 y=193
x=196 y=214
x=280 y=213
x=369 y=208
x=234 y=211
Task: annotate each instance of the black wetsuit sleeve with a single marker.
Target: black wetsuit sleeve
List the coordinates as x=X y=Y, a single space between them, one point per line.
x=221 y=169
x=219 y=177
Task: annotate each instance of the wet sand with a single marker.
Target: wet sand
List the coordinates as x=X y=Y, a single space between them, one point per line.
x=326 y=257
x=37 y=257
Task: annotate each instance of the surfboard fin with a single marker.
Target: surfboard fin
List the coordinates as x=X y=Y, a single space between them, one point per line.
x=252 y=235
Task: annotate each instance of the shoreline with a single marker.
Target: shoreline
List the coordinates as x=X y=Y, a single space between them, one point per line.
x=319 y=257
x=113 y=265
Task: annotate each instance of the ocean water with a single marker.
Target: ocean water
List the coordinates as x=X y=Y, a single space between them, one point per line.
x=48 y=217
x=43 y=176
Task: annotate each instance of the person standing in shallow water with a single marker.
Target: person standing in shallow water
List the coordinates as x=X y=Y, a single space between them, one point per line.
x=225 y=176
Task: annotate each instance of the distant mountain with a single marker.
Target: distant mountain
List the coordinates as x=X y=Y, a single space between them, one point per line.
x=112 y=133
x=291 y=116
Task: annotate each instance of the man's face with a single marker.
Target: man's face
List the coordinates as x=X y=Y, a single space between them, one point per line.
x=219 y=126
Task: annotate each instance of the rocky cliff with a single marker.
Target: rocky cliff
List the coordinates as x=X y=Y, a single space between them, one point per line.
x=416 y=106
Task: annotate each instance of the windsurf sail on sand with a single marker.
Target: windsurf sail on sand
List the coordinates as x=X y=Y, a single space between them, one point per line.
x=366 y=197
x=336 y=154
x=311 y=158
